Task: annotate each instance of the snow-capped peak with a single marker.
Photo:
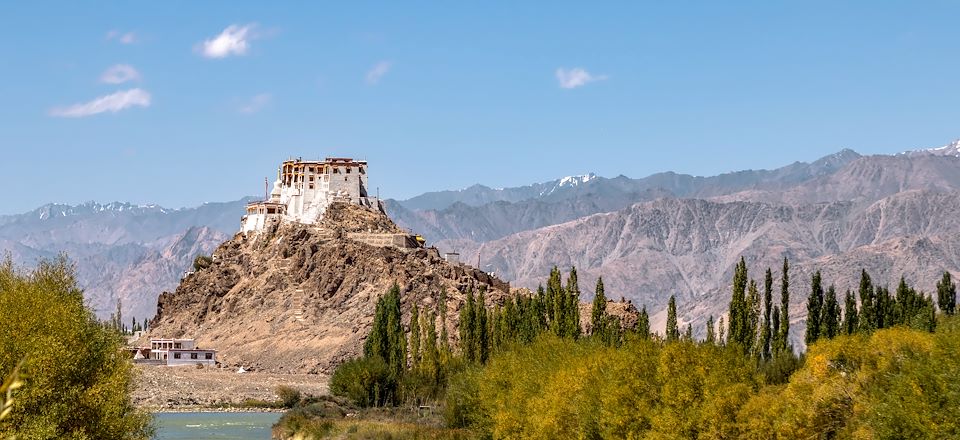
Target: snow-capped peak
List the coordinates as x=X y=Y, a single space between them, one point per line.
x=569 y=181
x=576 y=180
x=951 y=149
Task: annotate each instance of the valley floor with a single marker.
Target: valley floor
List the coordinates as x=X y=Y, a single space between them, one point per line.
x=189 y=389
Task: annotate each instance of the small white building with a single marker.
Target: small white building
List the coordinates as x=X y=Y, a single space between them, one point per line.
x=304 y=189
x=177 y=352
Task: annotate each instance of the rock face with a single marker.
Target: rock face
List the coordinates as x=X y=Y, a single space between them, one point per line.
x=302 y=299
x=688 y=247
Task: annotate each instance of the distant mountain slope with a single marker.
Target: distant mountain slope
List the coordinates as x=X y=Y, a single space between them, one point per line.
x=688 y=247
x=122 y=251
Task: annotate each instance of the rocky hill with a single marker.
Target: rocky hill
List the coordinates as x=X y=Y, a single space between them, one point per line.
x=302 y=299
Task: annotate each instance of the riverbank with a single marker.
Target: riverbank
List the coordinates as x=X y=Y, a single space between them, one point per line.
x=188 y=389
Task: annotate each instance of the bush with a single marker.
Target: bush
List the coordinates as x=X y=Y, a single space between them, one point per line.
x=289 y=396
x=366 y=381
x=77 y=380
x=202 y=262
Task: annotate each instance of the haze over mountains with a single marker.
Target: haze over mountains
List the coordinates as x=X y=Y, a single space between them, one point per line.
x=650 y=237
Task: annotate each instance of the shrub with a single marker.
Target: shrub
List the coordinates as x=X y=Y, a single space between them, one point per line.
x=202 y=262
x=289 y=396
x=367 y=382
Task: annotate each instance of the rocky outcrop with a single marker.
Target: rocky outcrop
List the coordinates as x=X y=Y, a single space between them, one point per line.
x=302 y=299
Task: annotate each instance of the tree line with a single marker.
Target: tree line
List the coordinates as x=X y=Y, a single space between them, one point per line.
x=414 y=362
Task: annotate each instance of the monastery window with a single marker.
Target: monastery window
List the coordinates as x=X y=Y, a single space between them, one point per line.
x=193 y=355
x=176 y=355
x=336 y=171
x=348 y=170
x=310 y=169
x=311 y=178
x=208 y=356
x=311 y=184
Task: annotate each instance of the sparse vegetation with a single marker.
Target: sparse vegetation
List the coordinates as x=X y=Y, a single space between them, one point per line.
x=202 y=262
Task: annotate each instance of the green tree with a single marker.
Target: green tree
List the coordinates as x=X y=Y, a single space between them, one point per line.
x=481 y=329
x=598 y=314
x=947 y=294
x=814 y=309
x=711 y=331
x=414 y=336
x=776 y=329
x=571 y=319
x=672 y=332
x=739 y=315
x=830 y=315
x=867 y=321
x=444 y=343
x=783 y=335
x=643 y=323
x=76 y=383
x=387 y=339
x=850 y=316
x=766 y=333
x=468 y=327
x=751 y=338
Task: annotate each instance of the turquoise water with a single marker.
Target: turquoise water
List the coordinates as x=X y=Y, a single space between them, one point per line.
x=219 y=426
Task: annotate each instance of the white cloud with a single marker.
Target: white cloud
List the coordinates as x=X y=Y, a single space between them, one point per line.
x=119 y=74
x=234 y=40
x=122 y=37
x=378 y=71
x=256 y=103
x=109 y=103
x=576 y=77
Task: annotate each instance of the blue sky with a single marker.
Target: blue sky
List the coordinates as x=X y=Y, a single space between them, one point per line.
x=210 y=96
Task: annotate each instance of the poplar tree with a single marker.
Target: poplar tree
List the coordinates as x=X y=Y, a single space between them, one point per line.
x=711 y=332
x=867 y=321
x=850 y=315
x=444 y=349
x=431 y=354
x=598 y=315
x=556 y=302
x=572 y=306
x=830 y=315
x=672 y=332
x=814 y=309
x=414 y=336
x=783 y=335
x=738 y=306
x=776 y=329
x=947 y=294
x=722 y=333
x=765 y=331
x=387 y=340
x=643 y=323
x=481 y=333
x=688 y=334
x=468 y=328
x=750 y=339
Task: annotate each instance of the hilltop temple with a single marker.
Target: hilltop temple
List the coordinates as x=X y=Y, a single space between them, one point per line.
x=304 y=189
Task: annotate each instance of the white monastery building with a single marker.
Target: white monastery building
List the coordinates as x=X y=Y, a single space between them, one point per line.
x=304 y=189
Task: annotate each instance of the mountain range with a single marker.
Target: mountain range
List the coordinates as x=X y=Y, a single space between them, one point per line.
x=651 y=237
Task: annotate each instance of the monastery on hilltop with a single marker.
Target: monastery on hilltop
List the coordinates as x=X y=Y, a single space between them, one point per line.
x=304 y=189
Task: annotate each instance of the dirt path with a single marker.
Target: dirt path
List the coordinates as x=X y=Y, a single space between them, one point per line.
x=172 y=388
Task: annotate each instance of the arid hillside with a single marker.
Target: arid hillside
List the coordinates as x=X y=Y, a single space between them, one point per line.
x=302 y=299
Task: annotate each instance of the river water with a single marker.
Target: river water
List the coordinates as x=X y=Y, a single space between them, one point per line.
x=213 y=425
